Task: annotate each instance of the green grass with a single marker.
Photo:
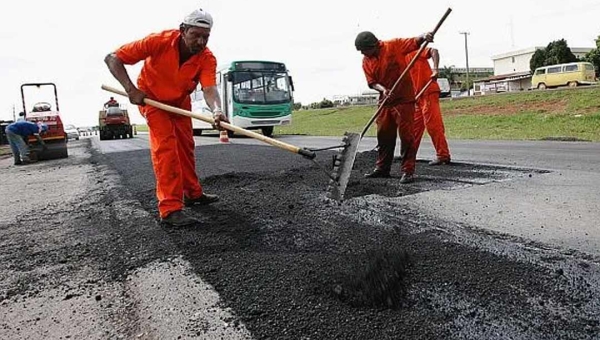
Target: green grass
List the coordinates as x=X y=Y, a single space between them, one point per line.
x=524 y=126
x=572 y=114
x=141 y=127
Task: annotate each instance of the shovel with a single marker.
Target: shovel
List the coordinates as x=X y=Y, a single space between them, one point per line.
x=274 y=142
x=344 y=161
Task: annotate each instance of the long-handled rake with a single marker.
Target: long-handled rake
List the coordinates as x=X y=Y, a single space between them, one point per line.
x=344 y=161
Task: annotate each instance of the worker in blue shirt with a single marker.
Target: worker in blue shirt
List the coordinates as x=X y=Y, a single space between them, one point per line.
x=17 y=134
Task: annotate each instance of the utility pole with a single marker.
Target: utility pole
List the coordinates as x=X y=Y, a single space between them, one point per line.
x=467 y=59
x=14 y=115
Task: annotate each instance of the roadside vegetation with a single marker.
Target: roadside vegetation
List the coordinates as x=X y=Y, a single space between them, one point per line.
x=569 y=114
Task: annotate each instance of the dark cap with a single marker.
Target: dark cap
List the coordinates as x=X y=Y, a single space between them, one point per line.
x=365 y=41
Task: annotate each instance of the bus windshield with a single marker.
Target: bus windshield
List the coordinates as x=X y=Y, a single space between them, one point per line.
x=260 y=87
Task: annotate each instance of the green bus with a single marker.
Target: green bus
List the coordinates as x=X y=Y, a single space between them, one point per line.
x=255 y=94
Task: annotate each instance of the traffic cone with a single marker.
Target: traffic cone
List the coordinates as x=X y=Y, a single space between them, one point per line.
x=223 y=137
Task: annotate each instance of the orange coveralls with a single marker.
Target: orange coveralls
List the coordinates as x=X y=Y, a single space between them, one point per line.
x=396 y=117
x=427 y=112
x=162 y=78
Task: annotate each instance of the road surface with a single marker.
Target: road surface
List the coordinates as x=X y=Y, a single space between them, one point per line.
x=503 y=244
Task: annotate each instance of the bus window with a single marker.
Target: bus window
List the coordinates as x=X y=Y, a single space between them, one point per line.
x=260 y=87
x=589 y=67
x=540 y=71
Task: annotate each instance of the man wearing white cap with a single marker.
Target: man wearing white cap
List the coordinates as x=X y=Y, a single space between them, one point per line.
x=175 y=61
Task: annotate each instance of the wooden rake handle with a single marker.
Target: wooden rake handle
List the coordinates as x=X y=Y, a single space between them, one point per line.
x=285 y=146
x=431 y=80
x=404 y=73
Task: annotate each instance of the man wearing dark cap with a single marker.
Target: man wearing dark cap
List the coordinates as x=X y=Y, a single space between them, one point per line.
x=383 y=63
x=175 y=61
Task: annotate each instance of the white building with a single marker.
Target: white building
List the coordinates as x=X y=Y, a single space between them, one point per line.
x=368 y=97
x=512 y=71
x=518 y=61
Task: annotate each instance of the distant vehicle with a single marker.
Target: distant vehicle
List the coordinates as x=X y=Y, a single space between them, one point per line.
x=256 y=95
x=71 y=132
x=84 y=131
x=444 y=87
x=114 y=123
x=571 y=74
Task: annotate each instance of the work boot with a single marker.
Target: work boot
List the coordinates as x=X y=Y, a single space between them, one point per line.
x=204 y=199
x=179 y=219
x=407 y=178
x=439 y=161
x=19 y=162
x=378 y=173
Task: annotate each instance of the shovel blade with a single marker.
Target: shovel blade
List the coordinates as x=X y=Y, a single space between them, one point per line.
x=342 y=166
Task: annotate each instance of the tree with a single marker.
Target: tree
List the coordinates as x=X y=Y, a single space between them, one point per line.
x=297 y=106
x=464 y=86
x=448 y=73
x=557 y=52
x=325 y=103
x=594 y=56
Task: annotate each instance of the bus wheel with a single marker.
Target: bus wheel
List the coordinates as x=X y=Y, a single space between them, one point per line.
x=542 y=86
x=267 y=131
x=230 y=133
x=197 y=132
x=573 y=84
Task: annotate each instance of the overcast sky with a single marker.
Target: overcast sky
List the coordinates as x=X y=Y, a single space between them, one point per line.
x=65 y=42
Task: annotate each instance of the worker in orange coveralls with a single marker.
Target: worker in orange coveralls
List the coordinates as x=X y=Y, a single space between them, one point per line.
x=174 y=62
x=427 y=111
x=383 y=63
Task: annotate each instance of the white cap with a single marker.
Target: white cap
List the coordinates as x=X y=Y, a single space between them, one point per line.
x=199 y=18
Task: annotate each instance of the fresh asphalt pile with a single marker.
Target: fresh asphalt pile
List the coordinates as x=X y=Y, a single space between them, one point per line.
x=292 y=264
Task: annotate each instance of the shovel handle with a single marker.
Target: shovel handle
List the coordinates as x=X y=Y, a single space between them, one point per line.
x=274 y=142
x=405 y=72
x=424 y=89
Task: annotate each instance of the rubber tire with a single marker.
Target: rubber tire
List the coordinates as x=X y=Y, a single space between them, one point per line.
x=573 y=84
x=542 y=86
x=267 y=131
x=198 y=132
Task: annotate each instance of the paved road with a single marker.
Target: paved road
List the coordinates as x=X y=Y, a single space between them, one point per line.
x=83 y=258
x=560 y=208
x=539 y=154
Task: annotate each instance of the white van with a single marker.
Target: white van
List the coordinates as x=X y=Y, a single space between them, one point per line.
x=444 y=87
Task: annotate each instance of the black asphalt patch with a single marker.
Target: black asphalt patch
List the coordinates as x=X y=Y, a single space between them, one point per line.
x=293 y=265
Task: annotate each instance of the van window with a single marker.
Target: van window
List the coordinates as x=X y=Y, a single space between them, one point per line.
x=540 y=71
x=589 y=67
x=571 y=68
x=554 y=69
